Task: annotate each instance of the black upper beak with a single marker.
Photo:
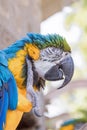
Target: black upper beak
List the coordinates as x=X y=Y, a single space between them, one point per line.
x=63 y=70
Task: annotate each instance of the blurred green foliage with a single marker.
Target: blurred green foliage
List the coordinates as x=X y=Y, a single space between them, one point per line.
x=75 y=102
x=78 y=17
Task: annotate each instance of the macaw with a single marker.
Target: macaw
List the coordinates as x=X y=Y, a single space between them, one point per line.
x=73 y=124
x=24 y=67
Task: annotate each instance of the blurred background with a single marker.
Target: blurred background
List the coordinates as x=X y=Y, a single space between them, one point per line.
x=69 y=19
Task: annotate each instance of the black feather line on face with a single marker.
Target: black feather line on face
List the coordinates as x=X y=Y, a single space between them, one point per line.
x=24 y=72
x=37 y=81
x=40 y=84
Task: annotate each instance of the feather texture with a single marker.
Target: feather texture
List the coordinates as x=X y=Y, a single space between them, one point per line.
x=41 y=41
x=18 y=62
x=8 y=90
x=3 y=107
x=12 y=93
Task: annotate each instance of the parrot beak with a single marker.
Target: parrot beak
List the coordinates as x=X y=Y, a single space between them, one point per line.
x=67 y=66
x=63 y=70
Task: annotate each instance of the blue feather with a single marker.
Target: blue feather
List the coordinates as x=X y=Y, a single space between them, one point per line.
x=37 y=39
x=12 y=93
x=12 y=49
x=4 y=74
x=3 y=59
x=3 y=106
x=8 y=90
x=8 y=98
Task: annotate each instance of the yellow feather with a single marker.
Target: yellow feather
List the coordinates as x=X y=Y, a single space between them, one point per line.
x=15 y=65
x=12 y=120
x=33 y=51
x=13 y=117
x=24 y=104
x=69 y=127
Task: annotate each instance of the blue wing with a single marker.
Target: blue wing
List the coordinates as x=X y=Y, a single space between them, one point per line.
x=12 y=93
x=8 y=90
x=3 y=106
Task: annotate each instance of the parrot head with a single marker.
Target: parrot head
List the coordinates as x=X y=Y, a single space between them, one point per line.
x=54 y=60
x=49 y=54
x=54 y=64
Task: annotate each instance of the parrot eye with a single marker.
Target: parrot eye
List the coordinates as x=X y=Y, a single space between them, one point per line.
x=66 y=53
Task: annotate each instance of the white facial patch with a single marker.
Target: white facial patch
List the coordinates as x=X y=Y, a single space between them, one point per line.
x=51 y=54
x=42 y=67
x=48 y=58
